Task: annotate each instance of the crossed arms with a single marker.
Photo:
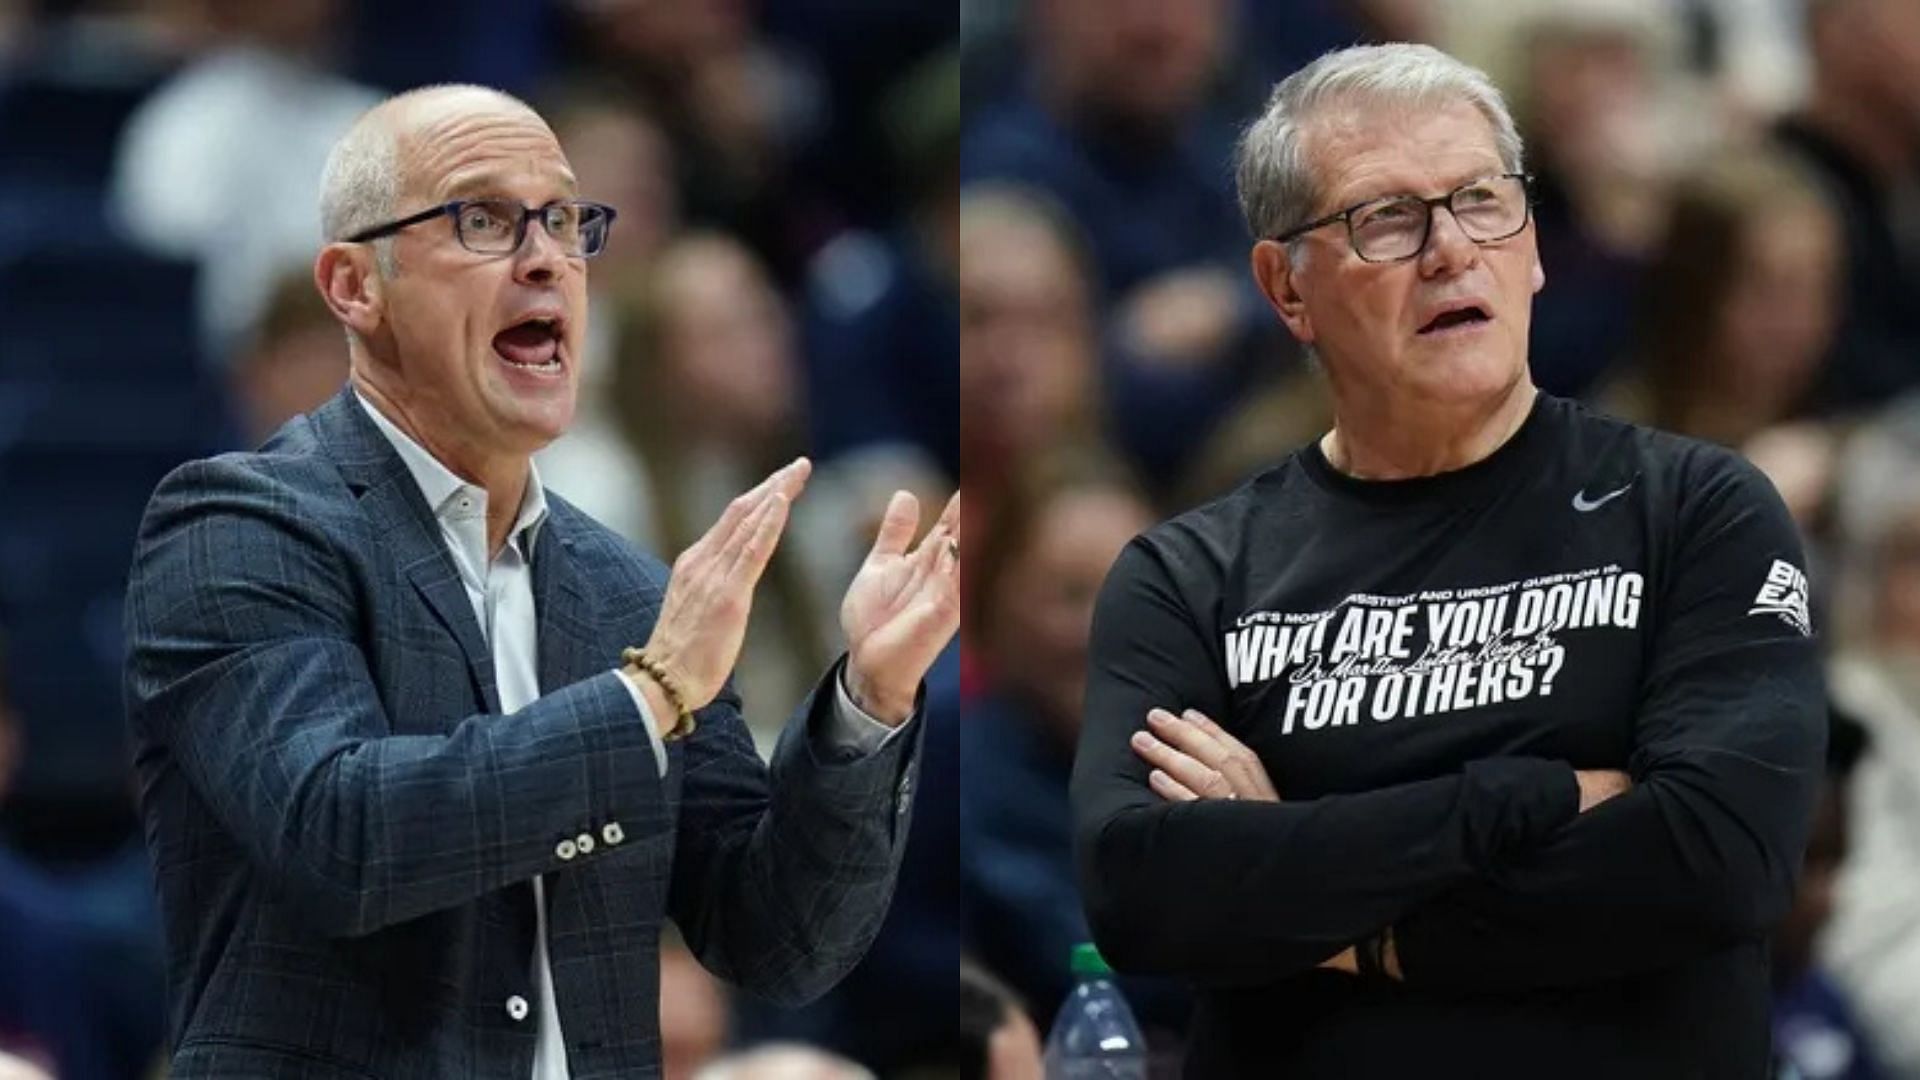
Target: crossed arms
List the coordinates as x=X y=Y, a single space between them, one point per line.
x=1491 y=878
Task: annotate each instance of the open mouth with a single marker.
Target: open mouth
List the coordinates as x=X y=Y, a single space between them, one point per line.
x=532 y=343
x=1471 y=315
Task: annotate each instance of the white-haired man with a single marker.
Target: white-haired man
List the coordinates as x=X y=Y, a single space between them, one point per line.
x=1480 y=736
x=427 y=754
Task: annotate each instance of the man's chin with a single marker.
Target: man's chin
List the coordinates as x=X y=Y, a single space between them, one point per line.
x=530 y=427
x=1469 y=374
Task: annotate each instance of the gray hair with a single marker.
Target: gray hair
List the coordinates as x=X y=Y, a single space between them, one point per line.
x=361 y=182
x=1278 y=188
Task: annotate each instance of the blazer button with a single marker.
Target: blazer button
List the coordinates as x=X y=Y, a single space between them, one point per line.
x=565 y=850
x=584 y=843
x=517 y=1007
x=613 y=834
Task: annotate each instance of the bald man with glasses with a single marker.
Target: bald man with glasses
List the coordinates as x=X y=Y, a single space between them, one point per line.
x=426 y=754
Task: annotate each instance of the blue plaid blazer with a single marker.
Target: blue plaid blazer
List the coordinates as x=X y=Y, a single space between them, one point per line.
x=344 y=828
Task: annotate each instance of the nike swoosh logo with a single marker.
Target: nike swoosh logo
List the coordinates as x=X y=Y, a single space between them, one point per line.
x=1584 y=504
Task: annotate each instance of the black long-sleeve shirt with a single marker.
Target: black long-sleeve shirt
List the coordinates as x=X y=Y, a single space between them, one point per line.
x=1420 y=665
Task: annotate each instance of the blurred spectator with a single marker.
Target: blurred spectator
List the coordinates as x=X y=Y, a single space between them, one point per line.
x=1814 y=1029
x=1027 y=339
x=1002 y=1042
x=739 y=108
x=80 y=970
x=1590 y=84
x=783 y=1061
x=505 y=44
x=222 y=164
x=882 y=329
x=1739 y=306
x=1039 y=566
x=693 y=1011
x=1113 y=119
x=1277 y=39
x=293 y=360
x=15 y=1068
x=1273 y=421
x=706 y=387
x=621 y=157
x=1872 y=944
x=1756 y=53
x=1860 y=130
x=1799 y=458
x=13 y=24
x=74 y=73
x=864 y=51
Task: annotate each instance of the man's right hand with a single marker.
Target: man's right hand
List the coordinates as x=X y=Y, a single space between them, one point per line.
x=1599 y=785
x=703 y=619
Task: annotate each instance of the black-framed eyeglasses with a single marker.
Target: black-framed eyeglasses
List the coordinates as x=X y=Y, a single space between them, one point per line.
x=1395 y=228
x=498 y=226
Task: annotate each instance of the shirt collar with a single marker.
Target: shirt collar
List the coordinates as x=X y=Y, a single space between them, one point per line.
x=444 y=490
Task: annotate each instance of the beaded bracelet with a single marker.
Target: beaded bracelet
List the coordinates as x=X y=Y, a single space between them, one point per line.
x=683 y=724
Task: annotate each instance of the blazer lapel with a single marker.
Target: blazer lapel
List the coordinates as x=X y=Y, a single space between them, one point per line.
x=438 y=582
x=401 y=517
x=570 y=649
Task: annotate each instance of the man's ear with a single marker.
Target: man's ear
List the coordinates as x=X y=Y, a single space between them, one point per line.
x=351 y=284
x=1273 y=271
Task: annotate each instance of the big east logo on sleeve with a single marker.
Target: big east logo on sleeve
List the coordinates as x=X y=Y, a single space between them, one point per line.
x=1785 y=594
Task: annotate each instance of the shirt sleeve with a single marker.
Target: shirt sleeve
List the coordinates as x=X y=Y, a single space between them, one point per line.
x=1248 y=892
x=1702 y=852
x=648 y=721
x=852 y=728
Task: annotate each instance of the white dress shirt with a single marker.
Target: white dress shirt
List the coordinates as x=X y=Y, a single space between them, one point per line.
x=501 y=591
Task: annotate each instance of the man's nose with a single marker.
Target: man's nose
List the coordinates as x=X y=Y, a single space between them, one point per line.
x=540 y=259
x=1449 y=249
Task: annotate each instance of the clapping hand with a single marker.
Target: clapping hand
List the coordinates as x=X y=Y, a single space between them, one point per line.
x=703 y=619
x=902 y=608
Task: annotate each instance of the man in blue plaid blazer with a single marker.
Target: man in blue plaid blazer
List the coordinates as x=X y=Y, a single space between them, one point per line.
x=413 y=813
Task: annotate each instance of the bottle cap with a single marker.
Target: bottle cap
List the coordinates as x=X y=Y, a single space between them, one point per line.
x=1086 y=960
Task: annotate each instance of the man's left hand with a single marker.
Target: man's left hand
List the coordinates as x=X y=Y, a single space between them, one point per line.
x=902 y=609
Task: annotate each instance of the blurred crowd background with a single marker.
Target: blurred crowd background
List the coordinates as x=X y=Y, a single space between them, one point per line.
x=1729 y=216
x=780 y=280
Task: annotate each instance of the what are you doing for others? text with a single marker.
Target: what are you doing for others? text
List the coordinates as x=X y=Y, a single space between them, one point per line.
x=1437 y=651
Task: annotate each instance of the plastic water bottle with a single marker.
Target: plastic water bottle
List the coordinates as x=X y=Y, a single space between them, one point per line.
x=1095 y=1037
